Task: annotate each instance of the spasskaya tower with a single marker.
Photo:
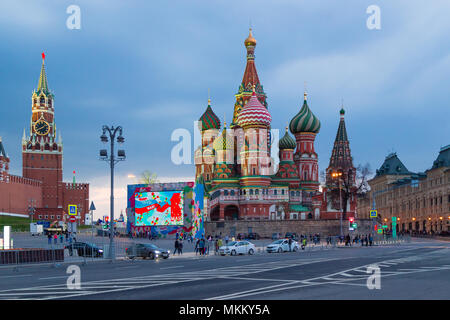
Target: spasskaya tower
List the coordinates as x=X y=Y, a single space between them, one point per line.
x=42 y=149
x=42 y=159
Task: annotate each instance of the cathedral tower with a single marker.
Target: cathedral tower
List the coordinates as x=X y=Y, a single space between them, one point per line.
x=341 y=158
x=255 y=120
x=304 y=126
x=209 y=126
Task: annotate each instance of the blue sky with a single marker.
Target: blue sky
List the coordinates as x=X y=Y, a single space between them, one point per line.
x=147 y=65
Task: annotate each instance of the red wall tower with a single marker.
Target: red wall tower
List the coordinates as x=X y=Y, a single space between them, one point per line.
x=42 y=151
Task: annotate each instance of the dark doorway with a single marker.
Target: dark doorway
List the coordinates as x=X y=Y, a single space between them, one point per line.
x=231 y=212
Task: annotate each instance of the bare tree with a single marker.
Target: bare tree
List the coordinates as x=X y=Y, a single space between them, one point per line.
x=351 y=187
x=148 y=177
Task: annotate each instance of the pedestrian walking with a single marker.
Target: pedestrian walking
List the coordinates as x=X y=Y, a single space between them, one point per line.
x=201 y=246
x=290 y=244
x=304 y=243
x=177 y=244
x=61 y=237
x=226 y=240
x=49 y=236
x=197 y=246
x=55 y=238
x=180 y=247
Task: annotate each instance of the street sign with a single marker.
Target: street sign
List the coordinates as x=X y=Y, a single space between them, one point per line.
x=72 y=219
x=73 y=210
x=380 y=230
x=92 y=207
x=373 y=213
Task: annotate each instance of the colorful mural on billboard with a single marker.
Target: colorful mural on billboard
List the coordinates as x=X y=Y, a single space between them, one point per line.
x=187 y=211
x=198 y=225
x=159 y=208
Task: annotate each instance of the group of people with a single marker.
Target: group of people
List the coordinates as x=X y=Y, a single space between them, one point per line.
x=59 y=235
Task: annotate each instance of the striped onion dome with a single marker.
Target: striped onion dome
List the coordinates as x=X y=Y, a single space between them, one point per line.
x=209 y=120
x=287 y=142
x=224 y=141
x=254 y=113
x=305 y=120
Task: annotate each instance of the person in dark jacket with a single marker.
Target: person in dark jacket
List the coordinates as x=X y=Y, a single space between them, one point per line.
x=177 y=246
x=180 y=247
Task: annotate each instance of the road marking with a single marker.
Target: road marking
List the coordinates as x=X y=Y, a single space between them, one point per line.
x=114 y=285
x=330 y=278
x=174 y=267
x=22 y=275
x=58 y=277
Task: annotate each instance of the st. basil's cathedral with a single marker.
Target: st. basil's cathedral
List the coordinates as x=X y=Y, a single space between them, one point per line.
x=237 y=170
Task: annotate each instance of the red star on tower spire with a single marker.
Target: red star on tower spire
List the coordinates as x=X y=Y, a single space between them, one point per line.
x=43 y=56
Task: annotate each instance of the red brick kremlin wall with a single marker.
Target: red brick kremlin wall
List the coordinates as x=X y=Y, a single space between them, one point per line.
x=16 y=192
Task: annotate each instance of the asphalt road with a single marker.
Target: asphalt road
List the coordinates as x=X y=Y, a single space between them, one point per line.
x=416 y=270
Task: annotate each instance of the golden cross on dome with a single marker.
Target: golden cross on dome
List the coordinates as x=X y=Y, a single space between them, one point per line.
x=304 y=87
x=209 y=97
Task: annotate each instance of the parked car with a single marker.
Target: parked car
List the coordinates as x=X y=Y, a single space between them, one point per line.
x=292 y=235
x=253 y=236
x=282 y=245
x=237 y=247
x=242 y=236
x=85 y=249
x=146 y=250
x=276 y=236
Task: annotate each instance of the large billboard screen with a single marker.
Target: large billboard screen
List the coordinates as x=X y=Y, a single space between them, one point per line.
x=163 y=208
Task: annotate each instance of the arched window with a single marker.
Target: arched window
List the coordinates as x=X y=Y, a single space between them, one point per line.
x=42 y=100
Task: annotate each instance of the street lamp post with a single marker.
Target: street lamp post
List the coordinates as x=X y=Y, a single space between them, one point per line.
x=112 y=159
x=338 y=175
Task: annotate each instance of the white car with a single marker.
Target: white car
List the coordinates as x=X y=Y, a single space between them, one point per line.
x=282 y=245
x=237 y=247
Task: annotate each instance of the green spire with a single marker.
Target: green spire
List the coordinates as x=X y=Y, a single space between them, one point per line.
x=43 y=85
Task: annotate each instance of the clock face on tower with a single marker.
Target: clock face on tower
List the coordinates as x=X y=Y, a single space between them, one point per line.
x=41 y=127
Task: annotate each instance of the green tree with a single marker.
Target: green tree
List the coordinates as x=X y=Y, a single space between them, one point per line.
x=148 y=177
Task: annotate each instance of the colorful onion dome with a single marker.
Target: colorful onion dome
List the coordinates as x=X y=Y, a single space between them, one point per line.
x=287 y=142
x=342 y=112
x=209 y=120
x=254 y=113
x=250 y=41
x=224 y=141
x=305 y=120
